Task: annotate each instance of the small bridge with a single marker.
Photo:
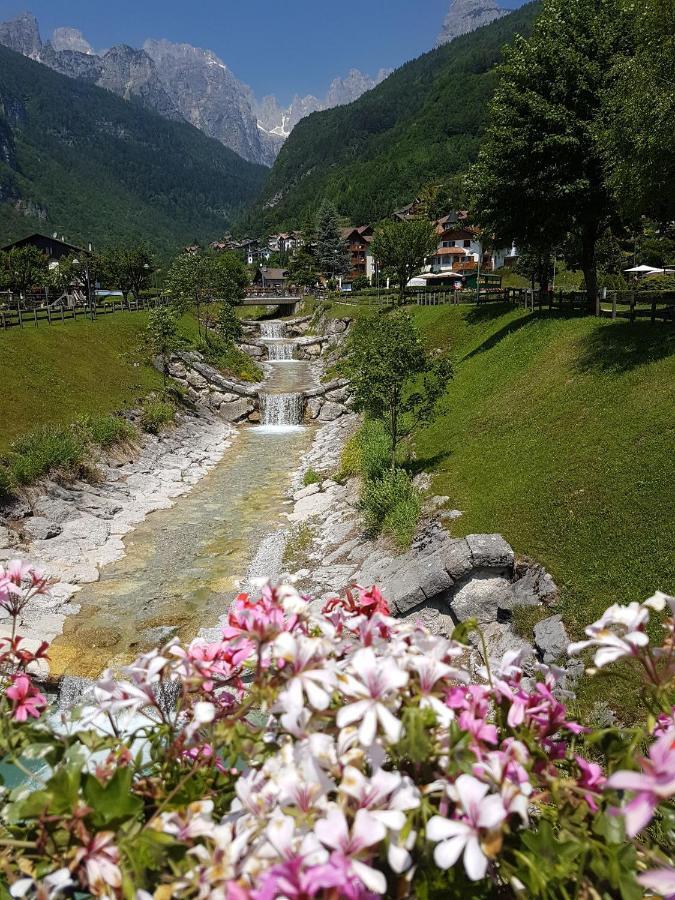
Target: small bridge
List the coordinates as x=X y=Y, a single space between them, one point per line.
x=271 y=296
x=269 y=300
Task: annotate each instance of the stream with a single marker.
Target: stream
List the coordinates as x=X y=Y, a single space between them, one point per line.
x=184 y=564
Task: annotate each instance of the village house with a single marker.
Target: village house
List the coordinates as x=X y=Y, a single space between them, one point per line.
x=357 y=242
x=411 y=211
x=461 y=250
x=271 y=279
x=53 y=247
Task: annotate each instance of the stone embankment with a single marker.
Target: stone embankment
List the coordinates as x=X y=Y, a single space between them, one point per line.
x=441 y=581
x=73 y=530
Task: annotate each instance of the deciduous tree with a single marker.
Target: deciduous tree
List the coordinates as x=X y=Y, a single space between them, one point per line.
x=540 y=172
x=393 y=376
x=23 y=268
x=403 y=247
x=162 y=335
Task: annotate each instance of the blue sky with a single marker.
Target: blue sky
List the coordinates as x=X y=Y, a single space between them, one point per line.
x=276 y=46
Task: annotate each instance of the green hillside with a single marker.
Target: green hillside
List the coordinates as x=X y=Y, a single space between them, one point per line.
x=79 y=160
x=420 y=124
x=558 y=434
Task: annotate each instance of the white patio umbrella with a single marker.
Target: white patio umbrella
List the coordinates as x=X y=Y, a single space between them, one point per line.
x=644 y=270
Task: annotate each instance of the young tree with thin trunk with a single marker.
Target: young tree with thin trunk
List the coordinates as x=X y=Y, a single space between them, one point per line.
x=540 y=172
x=162 y=336
x=404 y=247
x=199 y=278
x=393 y=376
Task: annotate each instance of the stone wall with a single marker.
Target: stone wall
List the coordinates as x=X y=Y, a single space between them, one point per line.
x=232 y=401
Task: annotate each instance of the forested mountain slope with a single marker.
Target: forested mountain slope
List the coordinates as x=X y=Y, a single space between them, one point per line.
x=421 y=124
x=77 y=159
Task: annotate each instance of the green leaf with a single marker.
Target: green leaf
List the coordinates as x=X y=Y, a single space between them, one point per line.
x=462 y=631
x=113 y=802
x=415 y=744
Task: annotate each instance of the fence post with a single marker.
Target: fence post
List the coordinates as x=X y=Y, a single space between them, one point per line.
x=35 y=316
x=632 y=307
x=653 y=317
x=49 y=315
x=63 y=321
x=614 y=305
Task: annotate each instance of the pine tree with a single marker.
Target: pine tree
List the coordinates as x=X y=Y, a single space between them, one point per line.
x=331 y=254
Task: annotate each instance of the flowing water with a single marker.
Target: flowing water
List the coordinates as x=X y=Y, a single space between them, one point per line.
x=183 y=565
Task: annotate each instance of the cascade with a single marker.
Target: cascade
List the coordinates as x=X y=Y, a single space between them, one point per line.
x=272 y=331
x=281 y=409
x=281 y=351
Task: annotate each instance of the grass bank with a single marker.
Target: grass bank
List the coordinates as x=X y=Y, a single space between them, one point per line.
x=55 y=375
x=559 y=434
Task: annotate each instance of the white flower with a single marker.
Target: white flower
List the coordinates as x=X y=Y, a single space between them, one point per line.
x=386 y=795
x=463 y=836
x=309 y=674
x=333 y=831
x=379 y=680
x=618 y=633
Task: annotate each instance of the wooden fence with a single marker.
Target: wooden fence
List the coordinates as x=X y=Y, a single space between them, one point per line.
x=16 y=314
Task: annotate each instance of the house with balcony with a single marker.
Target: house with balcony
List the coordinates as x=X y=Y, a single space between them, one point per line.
x=357 y=243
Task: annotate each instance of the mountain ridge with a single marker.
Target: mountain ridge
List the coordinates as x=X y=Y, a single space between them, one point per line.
x=78 y=159
x=180 y=81
x=421 y=124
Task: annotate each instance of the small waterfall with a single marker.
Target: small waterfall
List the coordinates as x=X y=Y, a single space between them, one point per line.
x=281 y=351
x=272 y=331
x=281 y=409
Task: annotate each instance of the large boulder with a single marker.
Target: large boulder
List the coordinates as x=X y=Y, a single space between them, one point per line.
x=232 y=412
x=481 y=597
x=330 y=412
x=457 y=558
x=490 y=551
x=551 y=638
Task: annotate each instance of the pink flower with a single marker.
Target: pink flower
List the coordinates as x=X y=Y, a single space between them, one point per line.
x=653 y=785
x=26 y=699
x=592 y=781
x=480 y=813
x=661 y=881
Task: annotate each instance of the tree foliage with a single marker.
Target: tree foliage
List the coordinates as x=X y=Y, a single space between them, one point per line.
x=23 y=268
x=639 y=125
x=198 y=278
x=393 y=377
x=403 y=247
x=331 y=255
x=162 y=335
x=540 y=171
x=128 y=267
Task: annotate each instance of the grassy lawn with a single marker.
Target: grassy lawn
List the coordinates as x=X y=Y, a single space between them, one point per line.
x=55 y=374
x=559 y=434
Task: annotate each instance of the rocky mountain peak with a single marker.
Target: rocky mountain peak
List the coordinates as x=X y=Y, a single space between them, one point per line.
x=467 y=15
x=70 y=39
x=22 y=35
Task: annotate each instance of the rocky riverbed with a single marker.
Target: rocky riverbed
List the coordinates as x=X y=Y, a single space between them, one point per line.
x=73 y=531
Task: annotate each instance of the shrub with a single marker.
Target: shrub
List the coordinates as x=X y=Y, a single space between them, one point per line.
x=106 y=431
x=367 y=453
x=156 y=414
x=391 y=504
x=229 y=359
x=657 y=283
x=48 y=449
x=311 y=477
x=297 y=547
